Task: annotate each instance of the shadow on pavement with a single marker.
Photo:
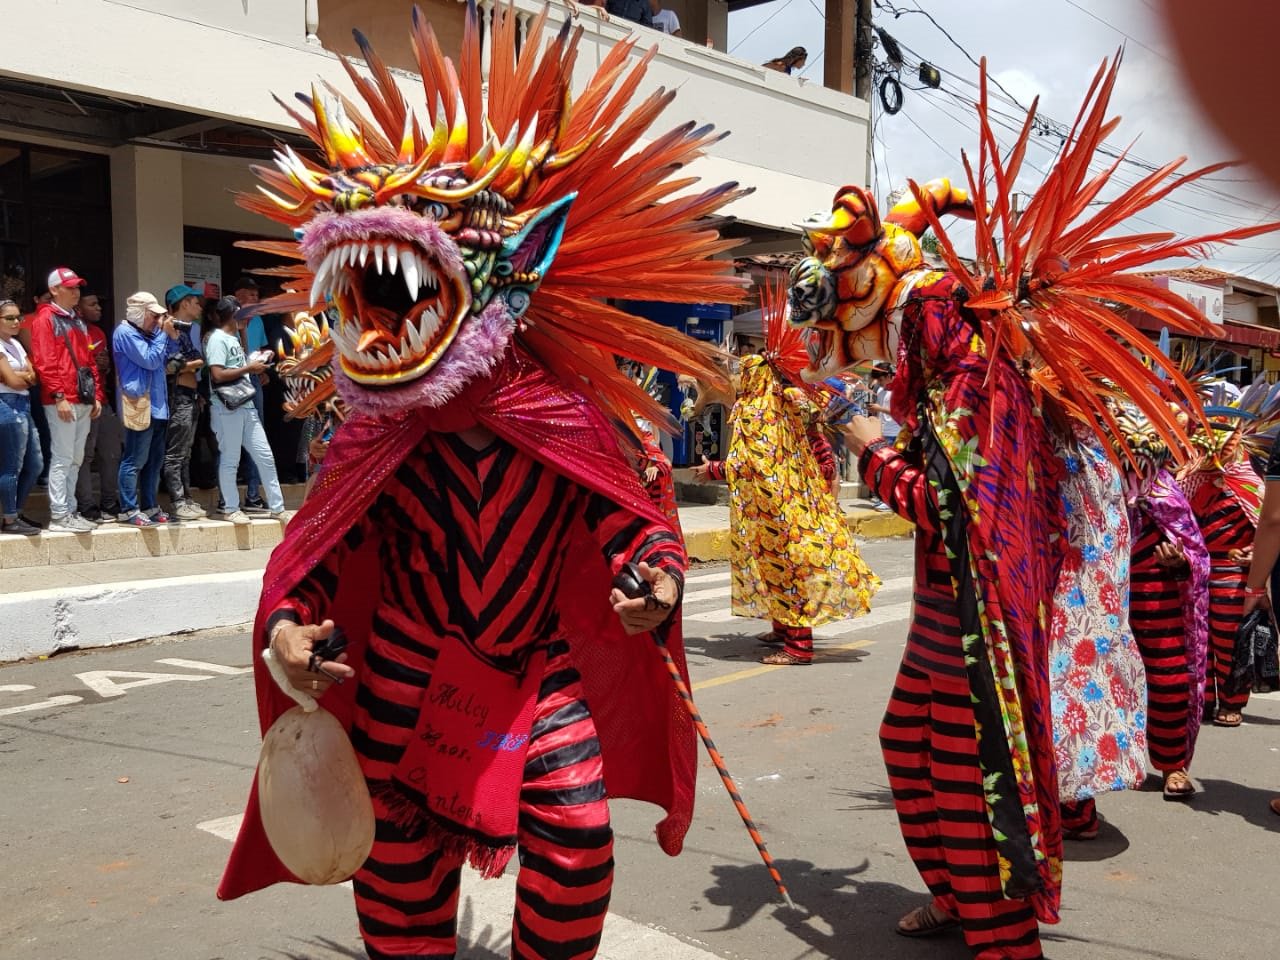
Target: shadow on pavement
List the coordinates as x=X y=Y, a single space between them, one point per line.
x=745 y=648
x=1109 y=842
x=474 y=942
x=874 y=798
x=1248 y=803
x=841 y=917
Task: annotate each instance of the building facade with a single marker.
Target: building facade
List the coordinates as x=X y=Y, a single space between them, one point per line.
x=126 y=131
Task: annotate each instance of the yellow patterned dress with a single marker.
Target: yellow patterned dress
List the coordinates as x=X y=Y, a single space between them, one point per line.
x=794 y=560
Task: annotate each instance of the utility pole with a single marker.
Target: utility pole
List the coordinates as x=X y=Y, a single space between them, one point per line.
x=862 y=51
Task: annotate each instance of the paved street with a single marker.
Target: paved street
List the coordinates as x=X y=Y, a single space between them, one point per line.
x=125 y=770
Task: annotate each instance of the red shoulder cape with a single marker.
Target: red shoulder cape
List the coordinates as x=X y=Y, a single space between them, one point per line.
x=646 y=736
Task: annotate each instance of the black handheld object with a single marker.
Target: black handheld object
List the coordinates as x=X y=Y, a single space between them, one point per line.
x=631 y=583
x=330 y=647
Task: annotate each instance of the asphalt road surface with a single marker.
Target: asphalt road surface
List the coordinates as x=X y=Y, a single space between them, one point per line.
x=124 y=773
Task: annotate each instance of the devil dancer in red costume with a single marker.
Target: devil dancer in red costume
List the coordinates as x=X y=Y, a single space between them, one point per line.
x=473 y=509
x=993 y=361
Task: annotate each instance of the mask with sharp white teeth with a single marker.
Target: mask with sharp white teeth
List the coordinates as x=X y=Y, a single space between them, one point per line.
x=429 y=232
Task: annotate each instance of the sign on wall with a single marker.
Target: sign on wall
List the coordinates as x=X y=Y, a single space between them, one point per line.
x=1208 y=300
x=203 y=271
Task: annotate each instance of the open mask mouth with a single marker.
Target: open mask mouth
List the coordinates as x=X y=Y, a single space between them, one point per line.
x=399 y=308
x=308 y=381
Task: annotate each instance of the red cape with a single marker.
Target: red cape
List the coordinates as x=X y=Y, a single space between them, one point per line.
x=646 y=736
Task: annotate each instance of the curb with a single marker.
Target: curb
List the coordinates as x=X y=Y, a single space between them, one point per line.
x=41 y=623
x=707 y=546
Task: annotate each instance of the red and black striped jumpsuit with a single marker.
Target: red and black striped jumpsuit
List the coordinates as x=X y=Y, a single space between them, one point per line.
x=797 y=641
x=1158 y=621
x=928 y=739
x=1225 y=525
x=472 y=544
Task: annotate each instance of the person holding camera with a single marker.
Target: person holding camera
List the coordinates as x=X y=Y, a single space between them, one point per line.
x=143 y=346
x=235 y=419
x=186 y=310
x=70 y=391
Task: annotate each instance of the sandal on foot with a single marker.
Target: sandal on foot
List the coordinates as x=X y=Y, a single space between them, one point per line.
x=1087 y=833
x=1228 y=718
x=1275 y=806
x=784 y=659
x=773 y=638
x=1178 y=786
x=925 y=921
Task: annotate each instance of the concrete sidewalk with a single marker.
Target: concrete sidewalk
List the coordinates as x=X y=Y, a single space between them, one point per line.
x=48 y=609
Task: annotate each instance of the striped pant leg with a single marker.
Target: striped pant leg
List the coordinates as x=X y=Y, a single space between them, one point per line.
x=797 y=641
x=407 y=891
x=1081 y=815
x=1226 y=610
x=566 y=843
x=931 y=753
x=1157 y=627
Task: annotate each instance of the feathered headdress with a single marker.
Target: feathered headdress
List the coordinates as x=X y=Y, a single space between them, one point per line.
x=1044 y=282
x=634 y=228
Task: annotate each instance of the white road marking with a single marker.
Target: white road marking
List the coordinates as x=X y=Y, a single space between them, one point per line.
x=492 y=903
x=721 y=574
x=724 y=616
x=714 y=593
x=38 y=705
x=205 y=666
x=100 y=682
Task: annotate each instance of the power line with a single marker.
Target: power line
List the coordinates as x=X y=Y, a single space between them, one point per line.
x=1111 y=26
x=761 y=24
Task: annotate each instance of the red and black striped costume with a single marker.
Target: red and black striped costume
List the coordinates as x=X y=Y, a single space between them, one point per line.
x=428 y=552
x=797 y=641
x=1226 y=525
x=1157 y=617
x=928 y=740
x=473 y=545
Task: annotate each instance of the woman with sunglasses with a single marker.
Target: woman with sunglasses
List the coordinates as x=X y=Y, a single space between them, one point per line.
x=20 y=460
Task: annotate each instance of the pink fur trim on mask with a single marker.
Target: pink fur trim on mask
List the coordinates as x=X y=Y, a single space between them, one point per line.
x=394 y=223
x=476 y=351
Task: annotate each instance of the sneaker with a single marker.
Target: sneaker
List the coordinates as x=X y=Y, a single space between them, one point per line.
x=139 y=519
x=94 y=523
x=197 y=508
x=123 y=516
x=20 y=527
x=70 y=524
x=284 y=516
x=188 y=511
x=93 y=515
x=157 y=516
x=239 y=518
x=107 y=516
x=256 y=505
x=883 y=508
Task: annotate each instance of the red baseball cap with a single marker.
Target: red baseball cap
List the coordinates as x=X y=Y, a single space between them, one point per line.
x=64 y=277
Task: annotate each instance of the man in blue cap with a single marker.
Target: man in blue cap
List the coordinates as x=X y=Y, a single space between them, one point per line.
x=186 y=308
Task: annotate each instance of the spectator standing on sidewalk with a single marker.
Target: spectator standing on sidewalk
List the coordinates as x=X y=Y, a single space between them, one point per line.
x=253 y=336
x=143 y=344
x=70 y=392
x=106 y=436
x=19 y=445
x=634 y=10
x=184 y=402
x=235 y=419
x=881 y=406
x=664 y=20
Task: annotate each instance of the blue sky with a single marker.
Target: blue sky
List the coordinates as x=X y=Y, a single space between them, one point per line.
x=1049 y=48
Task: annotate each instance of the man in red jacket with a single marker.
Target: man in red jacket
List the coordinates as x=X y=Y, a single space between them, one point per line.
x=60 y=350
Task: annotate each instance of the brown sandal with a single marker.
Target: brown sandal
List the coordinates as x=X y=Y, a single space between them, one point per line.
x=1275 y=806
x=925 y=921
x=784 y=659
x=1228 y=718
x=1178 y=786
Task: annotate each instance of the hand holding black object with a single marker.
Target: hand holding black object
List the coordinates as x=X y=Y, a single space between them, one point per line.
x=643 y=596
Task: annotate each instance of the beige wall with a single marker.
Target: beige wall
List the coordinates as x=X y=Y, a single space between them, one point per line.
x=146 y=219
x=209 y=188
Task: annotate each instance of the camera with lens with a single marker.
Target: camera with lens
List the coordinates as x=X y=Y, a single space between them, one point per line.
x=183 y=325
